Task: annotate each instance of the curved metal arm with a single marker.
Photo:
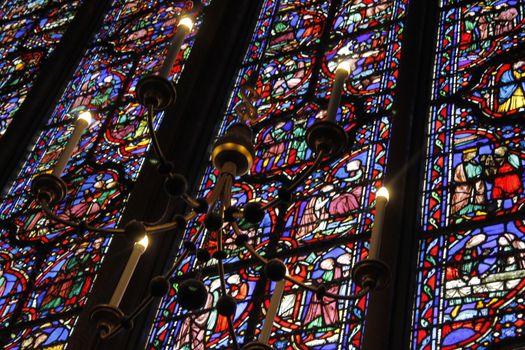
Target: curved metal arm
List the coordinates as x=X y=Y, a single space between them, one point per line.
x=153 y=134
x=303 y=285
x=110 y=231
x=298 y=180
x=225 y=196
x=190 y=201
x=50 y=215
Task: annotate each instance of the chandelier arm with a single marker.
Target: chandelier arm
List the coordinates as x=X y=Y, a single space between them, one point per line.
x=162 y=218
x=232 y=333
x=303 y=285
x=140 y=308
x=271 y=204
x=255 y=254
x=300 y=178
x=220 y=267
x=231 y=330
x=227 y=192
x=137 y=311
x=308 y=171
x=153 y=135
x=168 y=226
x=190 y=201
x=216 y=193
x=54 y=217
x=177 y=262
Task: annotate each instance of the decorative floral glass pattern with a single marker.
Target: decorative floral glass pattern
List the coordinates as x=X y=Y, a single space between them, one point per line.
x=47 y=269
x=470 y=281
x=290 y=62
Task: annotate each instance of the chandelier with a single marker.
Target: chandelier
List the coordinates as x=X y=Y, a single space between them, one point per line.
x=232 y=156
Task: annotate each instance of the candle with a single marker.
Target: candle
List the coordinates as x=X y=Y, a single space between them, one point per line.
x=183 y=29
x=81 y=124
x=382 y=197
x=341 y=73
x=264 y=337
x=138 y=249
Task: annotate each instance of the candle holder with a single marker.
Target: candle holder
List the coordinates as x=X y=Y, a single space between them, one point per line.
x=371 y=273
x=327 y=136
x=107 y=318
x=48 y=188
x=256 y=345
x=157 y=92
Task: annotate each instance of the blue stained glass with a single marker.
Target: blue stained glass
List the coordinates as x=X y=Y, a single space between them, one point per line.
x=290 y=62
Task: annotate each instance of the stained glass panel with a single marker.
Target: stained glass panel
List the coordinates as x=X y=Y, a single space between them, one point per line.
x=290 y=61
x=29 y=33
x=51 y=277
x=469 y=282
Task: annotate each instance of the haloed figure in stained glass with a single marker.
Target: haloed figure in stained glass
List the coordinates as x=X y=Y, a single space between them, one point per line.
x=511 y=93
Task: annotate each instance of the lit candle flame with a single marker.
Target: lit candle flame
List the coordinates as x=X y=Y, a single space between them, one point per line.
x=86 y=116
x=383 y=192
x=144 y=242
x=186 y=22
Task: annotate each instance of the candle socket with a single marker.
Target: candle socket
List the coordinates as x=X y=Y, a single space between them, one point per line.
x=49 y=188
x=106 y=317
x=371 y=273
x=157 y=92
x=326 y=136
x=255 y=345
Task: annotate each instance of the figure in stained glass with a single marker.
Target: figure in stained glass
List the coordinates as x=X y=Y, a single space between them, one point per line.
x=505 y=19
x=511 y=253
x=275 y=138
x=470 y=32
x=323 y=311
x=345 y=203
x=67 y=285
x=511 y=92
x=469 y=191
x=10 y=282
x=315 y=213
x=507 y=182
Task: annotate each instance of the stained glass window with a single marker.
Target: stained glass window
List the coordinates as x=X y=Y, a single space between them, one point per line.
x=290 y=62
x=470 y=282
x=47 y=270
x=29 y=32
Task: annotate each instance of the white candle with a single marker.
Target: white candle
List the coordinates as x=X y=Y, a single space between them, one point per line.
x=382 y=197
x=138 y=249
x=341 y=73
x=264 y=337
x=183 y=29
x=81 y=124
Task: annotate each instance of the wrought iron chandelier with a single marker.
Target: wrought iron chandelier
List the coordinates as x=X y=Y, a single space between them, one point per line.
x=232 y=156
